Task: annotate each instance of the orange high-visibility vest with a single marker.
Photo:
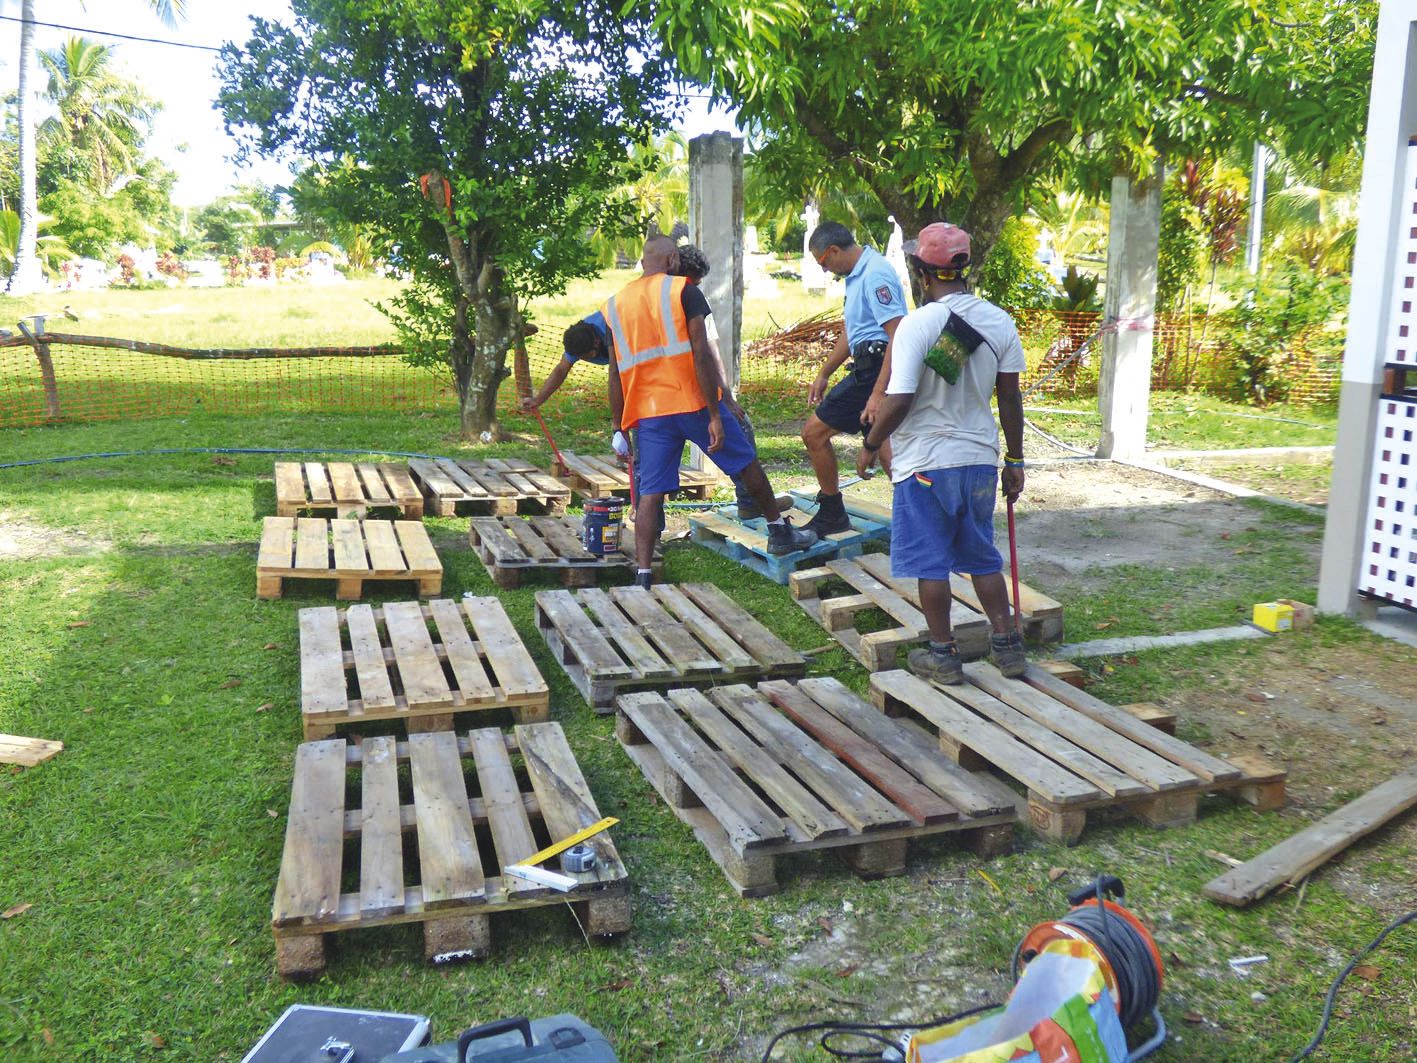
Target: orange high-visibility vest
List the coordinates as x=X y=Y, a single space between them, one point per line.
x=650 y=335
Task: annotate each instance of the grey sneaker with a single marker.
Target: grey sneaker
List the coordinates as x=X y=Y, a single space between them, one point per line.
x=785 y=539
x=944 y=668
x=831 y=516
x=1006 y=651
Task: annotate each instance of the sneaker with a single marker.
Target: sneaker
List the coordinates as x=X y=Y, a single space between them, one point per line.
x=831 y=516
x=944 y=668
x=785 y=539
x=1006 y=652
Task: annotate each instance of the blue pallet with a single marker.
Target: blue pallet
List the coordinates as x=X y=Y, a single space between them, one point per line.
x=713 y=529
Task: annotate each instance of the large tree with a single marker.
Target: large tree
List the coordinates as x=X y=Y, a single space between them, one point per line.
x=102 y=117
x=527 y=110
x=953 y=109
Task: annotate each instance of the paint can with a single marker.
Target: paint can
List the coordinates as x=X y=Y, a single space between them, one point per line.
x=601 y=523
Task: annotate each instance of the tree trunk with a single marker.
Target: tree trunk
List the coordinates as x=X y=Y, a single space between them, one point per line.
x=486 y=322
x=27 y=276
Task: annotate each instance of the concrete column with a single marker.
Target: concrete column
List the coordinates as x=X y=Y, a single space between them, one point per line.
x=716 y=226
x=1256 y=233
x=1383 y=224
x=1124 y=388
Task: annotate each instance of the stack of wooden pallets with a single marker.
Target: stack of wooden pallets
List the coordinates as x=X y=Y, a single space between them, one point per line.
x=512 y=548
x=746 y=542
x=495 y=486
x=344 y=489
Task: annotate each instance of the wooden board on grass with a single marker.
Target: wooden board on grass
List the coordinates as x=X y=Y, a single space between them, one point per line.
x=602 y=477
x=27 y=752
x=487 y=486
x=345 y=489
x=515 y=548
x=349 y=552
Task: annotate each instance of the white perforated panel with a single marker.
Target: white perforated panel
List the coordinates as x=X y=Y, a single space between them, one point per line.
x=1402 y=337
x=1389 y=568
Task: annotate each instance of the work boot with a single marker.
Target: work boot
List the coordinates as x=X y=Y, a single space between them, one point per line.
x=937 y=663
x=750 y=510
x=644 y=579
x=785 y=539
x=830 y=517
x=1006 y=652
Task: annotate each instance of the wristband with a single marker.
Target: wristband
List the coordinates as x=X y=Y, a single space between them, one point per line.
x=1013 y=463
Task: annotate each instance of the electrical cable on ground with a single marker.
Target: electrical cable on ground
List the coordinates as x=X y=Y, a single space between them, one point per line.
x=211 y=450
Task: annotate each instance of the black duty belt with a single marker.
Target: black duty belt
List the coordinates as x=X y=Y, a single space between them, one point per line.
x=868 y=350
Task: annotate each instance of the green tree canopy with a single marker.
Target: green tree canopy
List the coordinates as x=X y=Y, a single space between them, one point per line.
x=953 y=109
x=529 y=110
x=103 y=118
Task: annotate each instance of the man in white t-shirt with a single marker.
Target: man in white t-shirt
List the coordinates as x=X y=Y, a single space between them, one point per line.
x=946 y=359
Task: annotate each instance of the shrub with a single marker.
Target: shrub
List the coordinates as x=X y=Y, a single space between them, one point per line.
x=1010 y=276
x=1271 y=329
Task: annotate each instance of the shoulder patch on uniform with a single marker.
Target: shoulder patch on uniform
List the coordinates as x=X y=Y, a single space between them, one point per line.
x=885 y=295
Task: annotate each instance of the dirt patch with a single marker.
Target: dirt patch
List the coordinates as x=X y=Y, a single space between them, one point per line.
x=21 y=540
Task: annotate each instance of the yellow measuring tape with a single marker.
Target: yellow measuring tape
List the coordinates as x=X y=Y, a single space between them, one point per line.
x=566 y=843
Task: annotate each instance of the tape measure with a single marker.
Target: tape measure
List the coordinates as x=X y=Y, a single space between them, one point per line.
x=566 y=843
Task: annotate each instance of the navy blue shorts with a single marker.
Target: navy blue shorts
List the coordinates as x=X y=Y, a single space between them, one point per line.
x=843 y=405
x=660 y=447
x=942 y=521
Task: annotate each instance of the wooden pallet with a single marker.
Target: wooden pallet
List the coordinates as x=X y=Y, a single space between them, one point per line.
x=1072 y=752
x=427 y=841
x=592 y=477
x=350 y=552
x=627 y=638
x=856 y=506
x=496 y=486
x=418 y=663
x=865 y=583
x=27 y=752
x=514 y=547
x=792 y=767
x=747 y=541
x=343 y=489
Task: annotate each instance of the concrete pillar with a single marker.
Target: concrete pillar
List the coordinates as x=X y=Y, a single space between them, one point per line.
x=716 y=226
x=1124 y=388
x=1380 y=269
x=1256 y=233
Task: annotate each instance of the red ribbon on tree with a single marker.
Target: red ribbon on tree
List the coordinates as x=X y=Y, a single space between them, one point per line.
x=438 y=191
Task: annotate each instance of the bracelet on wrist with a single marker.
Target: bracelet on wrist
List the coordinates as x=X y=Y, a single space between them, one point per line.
x=1013 y=463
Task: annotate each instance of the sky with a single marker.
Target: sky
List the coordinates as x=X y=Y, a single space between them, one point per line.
x=188 y=135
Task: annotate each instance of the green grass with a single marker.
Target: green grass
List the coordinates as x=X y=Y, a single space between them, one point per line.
x=149 y=847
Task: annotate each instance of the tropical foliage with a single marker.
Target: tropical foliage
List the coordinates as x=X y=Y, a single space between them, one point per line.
x=102 y=121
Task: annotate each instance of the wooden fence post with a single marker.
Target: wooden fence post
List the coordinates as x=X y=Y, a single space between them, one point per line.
x=46 y=366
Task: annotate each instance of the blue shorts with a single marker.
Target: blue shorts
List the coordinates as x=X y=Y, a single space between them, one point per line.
x=660 y=447
x=942 y=521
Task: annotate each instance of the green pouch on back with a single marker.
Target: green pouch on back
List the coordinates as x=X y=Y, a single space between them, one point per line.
x=958 y=340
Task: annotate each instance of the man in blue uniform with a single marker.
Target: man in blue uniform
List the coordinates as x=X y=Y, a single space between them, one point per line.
x=585 y=341
x=875 y=304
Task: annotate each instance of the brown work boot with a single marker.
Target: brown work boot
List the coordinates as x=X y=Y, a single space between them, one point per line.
x=1006 y=653
x=938 y=664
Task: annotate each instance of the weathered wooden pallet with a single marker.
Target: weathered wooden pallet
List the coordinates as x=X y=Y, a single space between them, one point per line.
x=496 y=486
x=27 y=752
x=344 y=489
x=792 y=767
x=837 y=593
x=350 y=552
x=627 y=638
x=515 y=547
x=427 y=841
x=1072 y=752
x=747 y=541
x=593 y=477
x=856 y=506
x=421 y=663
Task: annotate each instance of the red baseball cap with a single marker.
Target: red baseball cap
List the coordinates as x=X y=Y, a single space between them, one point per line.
x=940 y=245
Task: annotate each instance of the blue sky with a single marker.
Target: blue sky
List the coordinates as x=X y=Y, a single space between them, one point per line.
x=188 y=135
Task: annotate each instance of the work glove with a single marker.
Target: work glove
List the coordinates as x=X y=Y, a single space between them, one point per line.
x=620 y=444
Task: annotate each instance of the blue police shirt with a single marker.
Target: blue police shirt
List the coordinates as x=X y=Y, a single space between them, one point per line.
x=596 y=321
x=873 y=297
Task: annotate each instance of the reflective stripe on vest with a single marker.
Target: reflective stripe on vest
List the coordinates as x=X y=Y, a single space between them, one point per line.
x=652 y=349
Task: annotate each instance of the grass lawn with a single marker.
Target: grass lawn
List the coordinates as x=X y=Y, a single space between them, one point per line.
x=148 y=849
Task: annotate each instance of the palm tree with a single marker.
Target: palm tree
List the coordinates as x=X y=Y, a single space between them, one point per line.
x=26 y=276
x=102 y=116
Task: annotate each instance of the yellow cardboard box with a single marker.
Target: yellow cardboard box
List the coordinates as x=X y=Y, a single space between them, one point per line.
x=1274 y=616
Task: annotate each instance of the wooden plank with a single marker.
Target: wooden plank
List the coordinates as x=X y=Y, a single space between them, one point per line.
x=634 y=646
x=463 y=657
x=809 y=815
x=372 y=478
x=515 y=671
x=748 y=822
x=27 y=752
x=848 y=795
x=987 y=739
x=884 y=597
x=348 y=546
x=277 y=544
x=566 y=543
x=308 y=889
x=1033 y=604
x=729 y=654
x=312 y=544
x=1173 y=749
x=318 y=483
x=502 y=800
x=465 y=484
x=322 y=681
x=345 y=482
x=375 y=689
x=961 y=615
x=532 y=544
x=562 y=794
x=449 y=865
x=290 y=485
x=733 y=531
x=899 y=740
x=1102 y=742
x=421 y=673
x=679 y=647
x=491 y=535
x=481 y=473
x=384 y=552
x=400 y=485
x=592 y=650
x=1298 y=855
x=435 y=479
x=922 y=804
x=766 y=647
x=380 y=831
x=417 y=548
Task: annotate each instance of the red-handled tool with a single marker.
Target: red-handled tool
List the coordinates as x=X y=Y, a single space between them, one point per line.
x=1013 y=565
